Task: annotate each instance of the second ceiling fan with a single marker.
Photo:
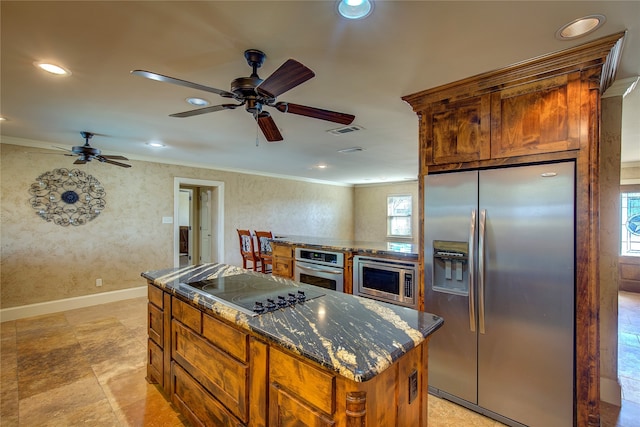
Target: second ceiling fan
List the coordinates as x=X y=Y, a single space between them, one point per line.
x=254 y=93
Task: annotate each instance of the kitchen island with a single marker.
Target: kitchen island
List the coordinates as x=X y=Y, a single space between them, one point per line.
x=331 y=360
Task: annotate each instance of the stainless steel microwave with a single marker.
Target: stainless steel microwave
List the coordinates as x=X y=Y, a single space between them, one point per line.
x=386 y=280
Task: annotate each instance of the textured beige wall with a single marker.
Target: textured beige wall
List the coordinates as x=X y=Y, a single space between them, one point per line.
x=371 y=209
x=41 y=261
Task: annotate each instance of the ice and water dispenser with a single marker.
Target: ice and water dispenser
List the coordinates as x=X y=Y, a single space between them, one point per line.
x=451 y=267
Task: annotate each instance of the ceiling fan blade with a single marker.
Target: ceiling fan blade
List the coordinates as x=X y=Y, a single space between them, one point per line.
x=268 y=127
x=61 y=148
x=103 y=159
x=80 y=162
x=316 y=113
x=162 y=78
x=289 y=75
x=115 y=157
x=204 y=110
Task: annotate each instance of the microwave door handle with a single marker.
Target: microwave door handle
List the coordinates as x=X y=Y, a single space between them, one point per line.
x=472 y=275
x=318 y=270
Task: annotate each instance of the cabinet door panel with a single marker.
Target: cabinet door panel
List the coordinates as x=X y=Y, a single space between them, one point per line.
x=287 y=411
x=194 y=401
x=155 y=296
x=541 y=117
x=155 y=367
x=312 y=384
x=224 y=377
x=459 y=132
x=155 y=325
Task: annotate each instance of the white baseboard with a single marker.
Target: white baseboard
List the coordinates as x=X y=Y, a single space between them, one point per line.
x=56 y=306
x=610 y=391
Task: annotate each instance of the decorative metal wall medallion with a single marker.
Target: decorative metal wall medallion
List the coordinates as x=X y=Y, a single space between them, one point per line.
x=64 y=197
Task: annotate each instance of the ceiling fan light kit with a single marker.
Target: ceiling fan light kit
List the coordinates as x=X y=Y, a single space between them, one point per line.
x=254 y=93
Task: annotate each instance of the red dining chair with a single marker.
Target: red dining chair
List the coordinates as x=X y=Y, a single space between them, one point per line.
x=247 y=249
x=264 y=249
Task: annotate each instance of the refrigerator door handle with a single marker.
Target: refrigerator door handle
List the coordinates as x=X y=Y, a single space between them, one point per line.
x=482 y=229
x=472 y=275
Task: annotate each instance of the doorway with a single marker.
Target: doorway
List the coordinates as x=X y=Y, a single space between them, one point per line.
x=199 y=224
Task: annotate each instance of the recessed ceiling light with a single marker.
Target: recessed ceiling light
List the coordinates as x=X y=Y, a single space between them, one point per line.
x=2 y=119
x=580 y=27
x=321 y=166
x=155 y=144
x=355 y=9
x=53 y=68
x=198 y=102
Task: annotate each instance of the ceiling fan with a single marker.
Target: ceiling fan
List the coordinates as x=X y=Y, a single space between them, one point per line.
x=254 y=93
x=86 y=153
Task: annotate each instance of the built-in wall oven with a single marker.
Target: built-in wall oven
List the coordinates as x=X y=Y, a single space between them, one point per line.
x=320 y=268
x=385 y=279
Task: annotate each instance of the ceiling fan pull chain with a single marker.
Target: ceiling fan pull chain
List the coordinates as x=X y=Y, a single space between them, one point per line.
x=255 y=116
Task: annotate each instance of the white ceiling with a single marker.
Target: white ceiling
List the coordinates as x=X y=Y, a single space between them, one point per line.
x=362 y=68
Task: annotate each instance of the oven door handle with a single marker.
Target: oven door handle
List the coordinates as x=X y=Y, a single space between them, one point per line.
x=319 y=270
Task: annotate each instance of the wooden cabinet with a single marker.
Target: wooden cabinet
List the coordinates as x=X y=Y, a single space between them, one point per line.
x=158 y=320
x=458 y=132
x=539 y=117
x=542 y=110
x=534 y=118
x=282 y=259
x=220 y=374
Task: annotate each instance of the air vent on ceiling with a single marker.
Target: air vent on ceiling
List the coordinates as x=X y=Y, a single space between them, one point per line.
x=346 y=129
x=351 y=150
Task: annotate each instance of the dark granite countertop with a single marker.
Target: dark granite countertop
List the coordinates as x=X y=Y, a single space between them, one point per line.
x=394 y=249
x=353 y=336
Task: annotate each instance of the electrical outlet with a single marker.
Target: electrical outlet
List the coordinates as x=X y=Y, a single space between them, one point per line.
x=98 y=282
x=413 y=385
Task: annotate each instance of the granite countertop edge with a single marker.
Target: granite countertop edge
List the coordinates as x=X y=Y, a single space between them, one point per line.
x=357 y=350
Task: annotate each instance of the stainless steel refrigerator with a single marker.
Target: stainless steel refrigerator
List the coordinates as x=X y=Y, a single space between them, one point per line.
x=500 y=270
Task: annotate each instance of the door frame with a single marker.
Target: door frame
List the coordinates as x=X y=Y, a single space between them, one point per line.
x=218 y=226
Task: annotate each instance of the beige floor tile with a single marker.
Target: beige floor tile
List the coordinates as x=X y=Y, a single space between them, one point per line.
x=82 y=402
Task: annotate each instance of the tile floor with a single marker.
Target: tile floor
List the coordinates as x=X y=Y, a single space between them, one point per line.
x=88 y=367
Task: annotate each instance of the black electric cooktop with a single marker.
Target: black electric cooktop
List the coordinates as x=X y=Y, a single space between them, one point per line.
x=254 y=295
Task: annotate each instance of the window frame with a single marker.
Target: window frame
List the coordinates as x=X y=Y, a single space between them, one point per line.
x=390 y=217
x=625 y=189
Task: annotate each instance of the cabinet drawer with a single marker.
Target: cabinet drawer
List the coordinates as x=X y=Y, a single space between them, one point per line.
x=155 y=296
x=220 y=374
x=187 y=315
x=282 y=250
x=286 y=410
x=155 y=368
x=194 y=401
x=226 y=337
x=155 y=324
x=310 y=383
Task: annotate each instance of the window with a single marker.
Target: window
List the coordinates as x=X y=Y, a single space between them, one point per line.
x=399 y=216
x=630 y=220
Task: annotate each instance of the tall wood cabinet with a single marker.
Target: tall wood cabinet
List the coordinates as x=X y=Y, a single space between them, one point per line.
x=544 y=109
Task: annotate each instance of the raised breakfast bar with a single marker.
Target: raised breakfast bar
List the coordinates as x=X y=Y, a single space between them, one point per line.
x=232 y=347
